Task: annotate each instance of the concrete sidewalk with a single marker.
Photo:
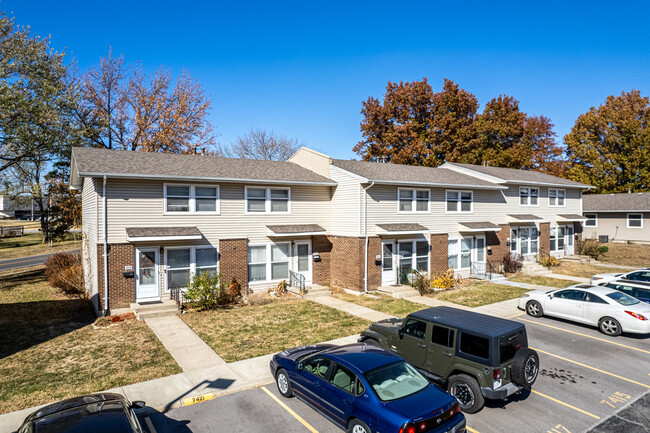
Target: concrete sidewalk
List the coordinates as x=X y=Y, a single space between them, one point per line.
x=569 y=277
x=351 y=308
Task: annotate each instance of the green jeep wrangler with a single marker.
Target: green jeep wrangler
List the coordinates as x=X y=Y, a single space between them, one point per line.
x=474 y=355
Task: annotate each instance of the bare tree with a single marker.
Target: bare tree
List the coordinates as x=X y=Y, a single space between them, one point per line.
x=261 y=144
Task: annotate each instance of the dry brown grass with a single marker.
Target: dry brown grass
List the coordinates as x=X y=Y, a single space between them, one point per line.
x=627 y=255
x=29 y=225
x=32 y=245
x=385 y=304
x=541 y=280
x=50 y=348
x=584 y=270
x=475 y=293
x=246 y=332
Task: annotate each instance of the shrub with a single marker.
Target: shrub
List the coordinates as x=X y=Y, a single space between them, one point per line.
x=422 y=284
x=549 y=261
x=65 y=271
x=512 y=264
x=593 y=249
x=206 y=291
x=444 y=281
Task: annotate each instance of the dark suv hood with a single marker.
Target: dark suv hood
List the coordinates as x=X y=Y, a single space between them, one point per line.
x=387 y=325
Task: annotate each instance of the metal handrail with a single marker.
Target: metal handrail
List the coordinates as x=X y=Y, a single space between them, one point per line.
x=297 y=280
x=177 y=294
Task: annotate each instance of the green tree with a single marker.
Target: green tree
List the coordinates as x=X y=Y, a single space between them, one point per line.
x=609 y=146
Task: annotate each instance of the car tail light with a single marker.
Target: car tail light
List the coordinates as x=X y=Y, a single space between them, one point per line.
x=407 y=429
x=636 y=316
x=496 y=373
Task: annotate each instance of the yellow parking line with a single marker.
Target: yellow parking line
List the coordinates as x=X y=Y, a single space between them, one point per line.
x=593 y=368
x=584 y=335
x=565 y=404
x=288 y=409
x=471 y=430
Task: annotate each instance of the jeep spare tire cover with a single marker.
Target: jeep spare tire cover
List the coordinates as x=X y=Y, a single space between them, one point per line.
x=525 y=367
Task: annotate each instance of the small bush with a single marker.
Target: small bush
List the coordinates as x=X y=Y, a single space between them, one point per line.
x=549 y=261
x=207 y=291
x=65 y=271
x=512 y=264
x=444 y=281
x=422 y=284
x=593 y=249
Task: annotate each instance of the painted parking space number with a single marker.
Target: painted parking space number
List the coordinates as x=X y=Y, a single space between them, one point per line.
x=558 y=429
x=616 y=398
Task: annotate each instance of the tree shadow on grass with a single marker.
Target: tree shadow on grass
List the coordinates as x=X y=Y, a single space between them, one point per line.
x=26 y=324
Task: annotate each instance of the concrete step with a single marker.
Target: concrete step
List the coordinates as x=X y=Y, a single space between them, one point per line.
x=311 y=291
x=163 y=308
x=397 y=291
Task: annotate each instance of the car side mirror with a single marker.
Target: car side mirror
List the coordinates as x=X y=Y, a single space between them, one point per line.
x=400 y=333
x=139 y=404
x=300 y=366
x=550 y=296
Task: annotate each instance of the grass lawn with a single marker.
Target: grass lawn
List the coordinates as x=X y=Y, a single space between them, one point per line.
x=31 y=245
x=52 y=348
x=541 y=280
x=385 y=304
x=476 y=293
x=29 y=225
x=584 y=270
x=627 y=255
x=246 y=332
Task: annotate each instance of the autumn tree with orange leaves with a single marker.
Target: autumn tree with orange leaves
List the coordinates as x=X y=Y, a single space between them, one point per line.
x=413 y=125
x=120 y=107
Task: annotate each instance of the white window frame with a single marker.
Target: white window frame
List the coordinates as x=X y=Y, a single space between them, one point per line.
x=594 y=219
x=192 y=249
x=267 y=200
x=640 y=220
x=414 y=200
x=552 y=235
x=192 y=199
x=459 y=201
x=557 y=197
x=269 y=263
x=414 y=252
x=459 y=252
x=528 y=196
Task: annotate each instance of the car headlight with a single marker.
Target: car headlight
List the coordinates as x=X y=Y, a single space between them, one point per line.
x=525 y=295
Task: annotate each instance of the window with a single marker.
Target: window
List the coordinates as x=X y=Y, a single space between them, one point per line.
x=572 y=295
x=413 y=200
x=623 y=299
x=191 y=198
x=317 y=366
x=528 y=196
x=459 y=201
x=557 y=238
x=442 y=336
x=465 y=253
x=183 y=263
x=590 y=297
x=528 y=240
x=343 y=378
x=634 y=221
x=509 y=345
x=412 y=255
x=395 y=381
x=474 y=345
x=206 y=260
x=415 y=328
x=268 y=262
x=452 y=253
x=592 y=220
x=459 y=249
x=513 y=239
x=556 y=197
x=268 y=200
x=638 y=276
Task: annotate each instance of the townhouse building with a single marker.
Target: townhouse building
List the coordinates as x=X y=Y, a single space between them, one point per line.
x=359 y=225
x=617 y=217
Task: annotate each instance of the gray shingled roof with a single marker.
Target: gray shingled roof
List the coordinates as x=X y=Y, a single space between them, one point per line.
x=409 y=174
x=525 y=217
x=295 y=228
x=127 y=164
x=514 y=175
x=403 y=227
x=150 y=232
x=480 y=225
x=571 y=217
x=616 y=202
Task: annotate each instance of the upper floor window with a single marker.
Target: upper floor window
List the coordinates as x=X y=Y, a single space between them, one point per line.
x=556 y=197
x=459 y=201
x=528 y=196
x=413 y=200
x=634 y=221
x=592 y=220
x=191 y=198
x=268 y=200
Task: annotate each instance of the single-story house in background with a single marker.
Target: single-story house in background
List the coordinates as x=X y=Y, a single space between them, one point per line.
x=619 y=217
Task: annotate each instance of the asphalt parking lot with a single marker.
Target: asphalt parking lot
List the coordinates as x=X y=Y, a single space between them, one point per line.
x=588 y=381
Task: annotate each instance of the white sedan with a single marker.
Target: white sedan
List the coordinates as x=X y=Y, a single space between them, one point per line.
x=612 y=311
x=638 y=275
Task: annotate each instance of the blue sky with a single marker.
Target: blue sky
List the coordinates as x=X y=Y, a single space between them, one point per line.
x=303 y=69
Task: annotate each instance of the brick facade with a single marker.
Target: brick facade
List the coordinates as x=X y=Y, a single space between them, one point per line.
x=121 y=290
x=497 y=243
x=544 y=239
x=347 y=257
x=321 y=270
x=233 y=260
x=439 y=249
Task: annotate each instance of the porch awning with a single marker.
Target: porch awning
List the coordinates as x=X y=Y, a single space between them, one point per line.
x=144 y=234
x=571 y=217
x=295 y=230
x=402 y=229
x=525 y=218
x=478 y=227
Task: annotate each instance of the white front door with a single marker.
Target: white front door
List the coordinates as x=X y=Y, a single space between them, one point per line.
x=479 y=253
x=302 y=253
x=146 y=274
x=387 y=263
x=514 y=241
x=568 y=241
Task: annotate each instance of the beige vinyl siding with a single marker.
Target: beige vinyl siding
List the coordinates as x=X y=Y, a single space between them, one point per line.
x=141 y=204
x=573 y=203
x=607 y=222
x=89 y=250
x=346 y=204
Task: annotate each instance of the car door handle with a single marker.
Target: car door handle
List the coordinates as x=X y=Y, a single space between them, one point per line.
x=446 y=353
x=422 y=346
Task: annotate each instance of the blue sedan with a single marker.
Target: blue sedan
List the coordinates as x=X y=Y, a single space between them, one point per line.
x=365 y=389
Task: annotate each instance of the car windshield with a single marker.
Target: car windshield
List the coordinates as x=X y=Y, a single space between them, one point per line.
x=395 y=381
x=622 y=298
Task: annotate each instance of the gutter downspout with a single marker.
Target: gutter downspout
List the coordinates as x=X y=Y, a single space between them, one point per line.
x=106 y=310
x=365 y=230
